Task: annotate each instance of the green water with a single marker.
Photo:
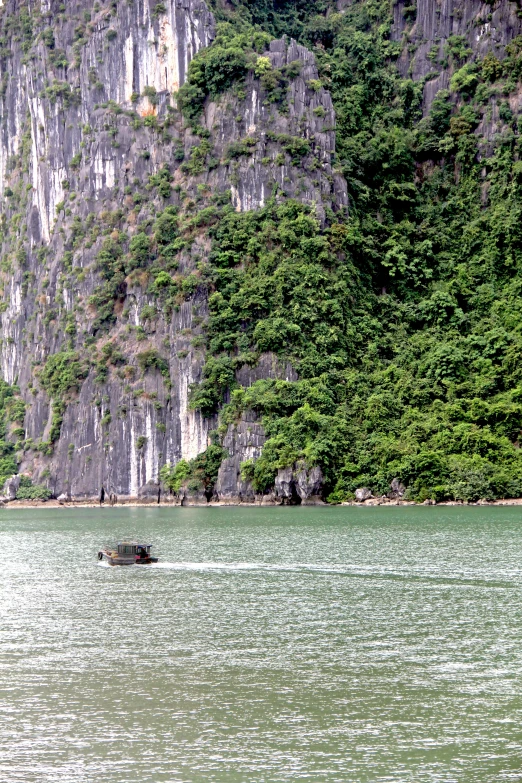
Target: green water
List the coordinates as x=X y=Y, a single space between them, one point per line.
x=337 y=644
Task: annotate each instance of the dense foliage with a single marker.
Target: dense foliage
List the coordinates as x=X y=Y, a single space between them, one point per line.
x=12 y=412
x=61 y=375
x=29 y=491
x=197 y=475
x=404 y=322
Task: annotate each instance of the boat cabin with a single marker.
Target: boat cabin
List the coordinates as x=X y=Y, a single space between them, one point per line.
x=133 y=548
x=128 y=553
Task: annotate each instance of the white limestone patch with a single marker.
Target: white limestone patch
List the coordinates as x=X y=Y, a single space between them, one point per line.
x=484 y=31
x=133 y=456
x=235 y=197
x=193 y=427
x=150 y=449
x=128 y=53
x=168 y=57
x=252 y=113
x=104 y=172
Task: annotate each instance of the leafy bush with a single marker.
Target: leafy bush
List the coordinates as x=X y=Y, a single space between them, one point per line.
x=140 y=251
x=174 y=477
x=166 y=227
x=198 y=474
x=244 y=146
x=218 y=377
x=215 y=69
x=162 y=180
x=8 y=467
x=29 y=491
x=62 y=373
x=151 y=359
x=465 y=80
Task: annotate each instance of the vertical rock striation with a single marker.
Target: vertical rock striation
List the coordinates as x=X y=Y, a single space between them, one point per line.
x=88 y=119
x=486 y=28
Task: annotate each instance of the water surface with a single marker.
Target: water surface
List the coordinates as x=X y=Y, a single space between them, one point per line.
x=268 y=645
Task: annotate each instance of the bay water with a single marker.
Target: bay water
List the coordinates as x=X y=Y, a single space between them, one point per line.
x=267 y=645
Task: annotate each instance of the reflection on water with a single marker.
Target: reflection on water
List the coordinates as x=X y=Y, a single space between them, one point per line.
x=266 y=645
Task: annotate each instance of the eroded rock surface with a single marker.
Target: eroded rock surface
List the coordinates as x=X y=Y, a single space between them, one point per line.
x=80 y=137
x=485 y=27
x=11 y=487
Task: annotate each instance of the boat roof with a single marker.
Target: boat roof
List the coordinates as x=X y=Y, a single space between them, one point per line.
x=132 y=543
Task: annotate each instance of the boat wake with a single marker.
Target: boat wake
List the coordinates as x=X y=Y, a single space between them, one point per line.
x=337 y=569
x=342 y=569
x=262 y=567
x=217 y=566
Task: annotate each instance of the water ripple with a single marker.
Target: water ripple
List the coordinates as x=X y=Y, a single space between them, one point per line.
x=269 y=646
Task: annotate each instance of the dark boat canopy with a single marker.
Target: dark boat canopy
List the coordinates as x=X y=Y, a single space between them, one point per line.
x=132 y=547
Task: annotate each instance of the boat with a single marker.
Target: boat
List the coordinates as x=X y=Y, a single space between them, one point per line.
x=128 y=553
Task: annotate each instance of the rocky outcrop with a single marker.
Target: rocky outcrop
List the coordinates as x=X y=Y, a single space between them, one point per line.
x=193 y=497
x=426 y=29
x=243 y=441
x=11 y=487
x=299 y=485
x=310 y=116
x=309 y=485
x=397 y=490
x=86 y=120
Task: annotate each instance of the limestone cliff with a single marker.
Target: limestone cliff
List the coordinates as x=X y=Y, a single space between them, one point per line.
x=92 y=147
x=428 y=29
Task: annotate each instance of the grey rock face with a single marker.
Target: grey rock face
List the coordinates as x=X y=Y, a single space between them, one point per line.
x=150 y=492
x=362 y=494
x=146 y=51
x=299 y=485
x=243 y=441
x=193 y=498
x=309 y=485
x=268 y=366
x=11 y=487
x=397 y=489
x=285 y=484
x=435 y=22
x=75 y=156
x=254 y=180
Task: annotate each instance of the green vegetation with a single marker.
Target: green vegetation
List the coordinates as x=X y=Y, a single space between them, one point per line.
x=61 y=375
x=217 y=68
x=29 y=491
x=151 y=359
x=402 y=321
x=196 y=475
x=12 y=411
x=402 y=318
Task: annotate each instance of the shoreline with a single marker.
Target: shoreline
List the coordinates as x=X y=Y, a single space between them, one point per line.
x=25 y=504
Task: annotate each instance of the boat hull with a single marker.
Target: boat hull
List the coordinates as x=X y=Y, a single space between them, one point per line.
x=112 y=558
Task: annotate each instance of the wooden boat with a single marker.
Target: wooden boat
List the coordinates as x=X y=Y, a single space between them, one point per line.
x=128 y=553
